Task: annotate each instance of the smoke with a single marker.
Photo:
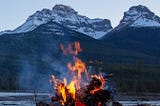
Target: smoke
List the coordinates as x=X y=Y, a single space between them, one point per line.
x=31 y=79
x=35 y=74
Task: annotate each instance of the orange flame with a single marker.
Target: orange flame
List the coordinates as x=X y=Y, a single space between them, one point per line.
x=79 y=67
x=63 y=49
x=77 y=48
x=70 y=50
x=60 y=87
x=99 y=87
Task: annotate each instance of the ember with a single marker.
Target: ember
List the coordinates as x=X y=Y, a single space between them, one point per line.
x=87 y=92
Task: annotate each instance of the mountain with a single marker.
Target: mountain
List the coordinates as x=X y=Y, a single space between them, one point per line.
x=138 y=34
x=67 y=17
x=139 y=16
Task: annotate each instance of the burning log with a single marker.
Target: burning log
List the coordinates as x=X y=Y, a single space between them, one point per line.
x=89 y=95
x=99 y=98
x=93 y=94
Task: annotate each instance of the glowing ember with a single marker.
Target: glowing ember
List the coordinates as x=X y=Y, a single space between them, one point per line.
x=99 y=87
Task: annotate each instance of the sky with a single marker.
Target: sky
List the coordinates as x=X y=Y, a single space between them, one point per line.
x=13 y=13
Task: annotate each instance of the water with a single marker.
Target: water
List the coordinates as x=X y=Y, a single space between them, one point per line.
x=134 y=103
x=28 y=99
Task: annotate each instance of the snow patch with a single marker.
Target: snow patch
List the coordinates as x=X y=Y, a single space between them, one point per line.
x=143 y=22
x=139 y=16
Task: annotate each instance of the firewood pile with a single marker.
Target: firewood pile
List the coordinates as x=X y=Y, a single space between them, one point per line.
x=86 y=96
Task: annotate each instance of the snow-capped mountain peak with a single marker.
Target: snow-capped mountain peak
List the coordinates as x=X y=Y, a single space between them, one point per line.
x=139 y=16
x=63 y=9
x=69 y=18
x=38 y=18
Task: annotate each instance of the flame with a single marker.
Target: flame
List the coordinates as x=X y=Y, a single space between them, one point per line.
x=77 y=68
x=77 y=48
x=97 y=88
x=63 y=49
x=60 y=87
x=72 y=89
x=70 y=50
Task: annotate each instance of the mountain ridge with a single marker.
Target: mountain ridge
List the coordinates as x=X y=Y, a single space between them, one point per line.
x=69 y=18
x=137 y=16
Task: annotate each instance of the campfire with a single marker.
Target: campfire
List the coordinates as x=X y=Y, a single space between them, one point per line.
x=84 y=89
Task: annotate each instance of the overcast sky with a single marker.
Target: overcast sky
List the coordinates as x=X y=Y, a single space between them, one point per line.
x=14 y=12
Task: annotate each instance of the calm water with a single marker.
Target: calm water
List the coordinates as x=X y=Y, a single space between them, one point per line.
x=28 y=99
